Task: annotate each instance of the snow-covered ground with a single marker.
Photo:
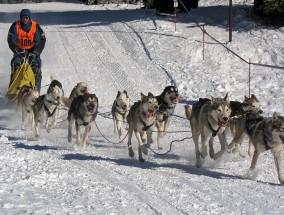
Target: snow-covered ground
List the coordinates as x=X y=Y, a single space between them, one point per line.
x=125 y=48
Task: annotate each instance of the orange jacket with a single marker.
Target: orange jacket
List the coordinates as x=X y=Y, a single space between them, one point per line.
x=26 y=39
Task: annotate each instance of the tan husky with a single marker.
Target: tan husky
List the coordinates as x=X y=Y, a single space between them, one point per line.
x=26 y=100
x=269 y=135
x=208 y=119
x=141 y=119
x=81 y=88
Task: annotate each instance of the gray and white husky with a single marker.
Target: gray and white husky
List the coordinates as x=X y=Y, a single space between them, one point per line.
x=46 y=107
x=268 y=134
x=119 y=111
x=167 y=101
x=141 y=119
x=83 y=111
x=245 y=115
x=208 y=118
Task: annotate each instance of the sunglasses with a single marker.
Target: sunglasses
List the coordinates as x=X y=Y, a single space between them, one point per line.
x=25 y=17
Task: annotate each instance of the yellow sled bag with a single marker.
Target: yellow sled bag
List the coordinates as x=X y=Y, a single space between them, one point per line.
x=22 y=76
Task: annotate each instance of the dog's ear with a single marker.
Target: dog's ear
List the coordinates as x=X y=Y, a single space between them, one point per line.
x=150 y=94
x=125 y=93
x=142 y=96
x=274 y=116
x=118 y=94
x=254 y=97
x=226 y=98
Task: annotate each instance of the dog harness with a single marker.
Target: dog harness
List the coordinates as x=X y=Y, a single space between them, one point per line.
x=145 y=126
x=214 y=132
x=26 y=39
x=122 y=114
x=49 y=114
x=251 y=120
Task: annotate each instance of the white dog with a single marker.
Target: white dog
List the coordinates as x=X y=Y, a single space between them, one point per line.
x=120 y=110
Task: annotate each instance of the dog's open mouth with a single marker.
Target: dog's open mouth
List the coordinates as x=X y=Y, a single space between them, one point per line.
x=221 y=123
x=150 y=113
x=90 y=109
x=84 y=92
x=282 y=138
x=176 y=99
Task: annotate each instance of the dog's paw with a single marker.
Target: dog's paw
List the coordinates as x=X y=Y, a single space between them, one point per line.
x=239 y=150
x=144 y=149
x=131 y=152
x=37 y=137
x=203 y=154
x=69 y=138
x=142 y=160
x=199 y=162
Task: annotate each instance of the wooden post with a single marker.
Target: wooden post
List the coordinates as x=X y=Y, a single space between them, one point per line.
x=175 y=6
x=249 y=77
x=230 y=20
x=203 y=35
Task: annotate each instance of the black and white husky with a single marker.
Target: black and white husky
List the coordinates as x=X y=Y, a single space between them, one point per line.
x=46 y=107
x=83 y=111
x=167 y=101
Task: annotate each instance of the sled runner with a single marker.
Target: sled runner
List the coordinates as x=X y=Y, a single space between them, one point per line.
x=24 y=75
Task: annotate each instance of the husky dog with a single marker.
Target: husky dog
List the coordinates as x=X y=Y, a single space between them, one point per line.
x=141 y=118
x=83 y=110
x=26 y=100
x=81 y=88
x=46 y=108
x=167 y=101
x=208 y=119
x=244 y=117
x=269 y=135
x=120 y=110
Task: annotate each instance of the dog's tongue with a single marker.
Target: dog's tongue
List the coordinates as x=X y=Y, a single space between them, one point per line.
x=85 y=92
x=221 y=123
x=150 y=114
x=282 y=138
x=177 y=99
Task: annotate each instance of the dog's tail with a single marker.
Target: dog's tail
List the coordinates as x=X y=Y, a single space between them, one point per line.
x=66 y=101
x=188 y=111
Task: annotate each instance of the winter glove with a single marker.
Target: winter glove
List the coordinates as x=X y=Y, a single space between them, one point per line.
x=20 y=52
x=31 y=58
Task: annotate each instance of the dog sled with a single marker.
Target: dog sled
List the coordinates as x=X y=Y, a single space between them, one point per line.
x=24 y=75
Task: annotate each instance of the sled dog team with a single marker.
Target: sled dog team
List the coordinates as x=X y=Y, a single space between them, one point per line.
x=208 y=118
